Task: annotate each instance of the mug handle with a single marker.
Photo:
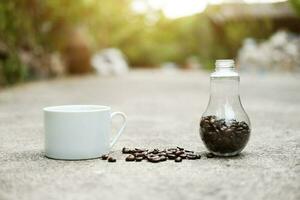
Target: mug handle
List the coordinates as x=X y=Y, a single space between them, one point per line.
x=112 y=143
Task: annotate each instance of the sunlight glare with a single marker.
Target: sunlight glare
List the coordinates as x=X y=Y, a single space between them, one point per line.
x=181 y=8
x=174 y=9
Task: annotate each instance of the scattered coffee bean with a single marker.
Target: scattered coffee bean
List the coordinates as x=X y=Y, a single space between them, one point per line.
x=130 y=158
x=139 y=159
x=162 y=154
x=210 y=155
x=224 y=136
x=178 y=159
x=178 y=153
x=198 y=156
x=126 y=150
x=104 y=157
x=163 y=158
x=179 y=148
x=188 y=151
x=191 y=156
x=183 y=156
x=171 y=156
x=149 y=155
x=139 y=154
x=137 y=150
x=111 y=159
x=156 y=151
x=154 y=159
x=171 y=150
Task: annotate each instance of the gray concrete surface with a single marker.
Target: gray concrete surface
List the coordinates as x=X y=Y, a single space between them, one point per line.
x=164 y=109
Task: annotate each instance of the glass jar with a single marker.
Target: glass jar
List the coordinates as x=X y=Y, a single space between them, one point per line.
x=225 y=126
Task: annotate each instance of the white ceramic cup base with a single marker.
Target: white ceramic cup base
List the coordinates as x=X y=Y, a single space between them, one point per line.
x=79 y=132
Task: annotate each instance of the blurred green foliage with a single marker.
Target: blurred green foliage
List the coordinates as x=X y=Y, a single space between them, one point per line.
x=43 y=27
x=296 y=5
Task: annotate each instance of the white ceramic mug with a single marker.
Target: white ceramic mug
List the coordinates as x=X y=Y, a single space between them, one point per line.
x=75 y=132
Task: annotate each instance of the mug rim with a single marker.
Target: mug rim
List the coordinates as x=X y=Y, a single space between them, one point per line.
x=76 y=108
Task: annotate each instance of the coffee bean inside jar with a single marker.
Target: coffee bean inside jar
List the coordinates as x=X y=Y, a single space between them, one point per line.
x=225 y=125
x=224 y=137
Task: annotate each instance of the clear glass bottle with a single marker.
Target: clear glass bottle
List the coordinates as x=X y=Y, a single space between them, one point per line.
x=225 y=126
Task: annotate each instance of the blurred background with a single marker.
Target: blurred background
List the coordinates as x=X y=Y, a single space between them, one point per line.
x=45 y=39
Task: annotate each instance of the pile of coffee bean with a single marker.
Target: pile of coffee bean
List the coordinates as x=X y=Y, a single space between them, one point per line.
x=155 y=155
x=224 y=136
x=108 y=158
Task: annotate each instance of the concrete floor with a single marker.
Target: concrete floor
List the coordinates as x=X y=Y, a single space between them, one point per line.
x=164 y=109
